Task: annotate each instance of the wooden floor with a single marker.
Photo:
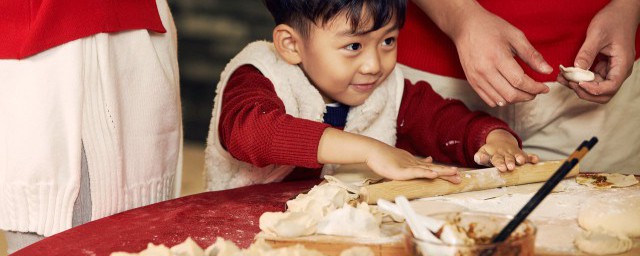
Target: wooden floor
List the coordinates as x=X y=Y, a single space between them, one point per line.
x=192 y=178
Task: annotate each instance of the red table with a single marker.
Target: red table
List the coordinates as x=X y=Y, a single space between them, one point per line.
x=230 y=214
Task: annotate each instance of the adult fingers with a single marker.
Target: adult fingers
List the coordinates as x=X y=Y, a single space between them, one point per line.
x=588 y=51
x=516 y=77
x=507 y=91
x=583 y=94
x=562 y=80
x=480 y=90
x=529 y=54
x=614 y=77
x=491 y=92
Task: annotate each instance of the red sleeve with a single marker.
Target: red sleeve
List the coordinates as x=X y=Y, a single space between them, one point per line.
x=444 y=129
x=255 y=128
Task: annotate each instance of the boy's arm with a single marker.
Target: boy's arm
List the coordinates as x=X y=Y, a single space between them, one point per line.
x=340 y=147
x=445 y=129
x=255 y=128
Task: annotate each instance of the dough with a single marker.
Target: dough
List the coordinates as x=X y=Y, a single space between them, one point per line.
x=288 y=224
x=357 y=251
x=577 y=74
x=321 y=200
x=294 y=250
x=350 y=221
x=606 y=180
x=222 y=248
x=152 y=250
x=187 y=248
x=602 y=243
x=617 y=215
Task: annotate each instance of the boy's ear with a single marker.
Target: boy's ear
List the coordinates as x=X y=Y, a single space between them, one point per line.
x=287 y=42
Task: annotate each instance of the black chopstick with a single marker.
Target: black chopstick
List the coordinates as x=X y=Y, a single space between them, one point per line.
x=564 y=169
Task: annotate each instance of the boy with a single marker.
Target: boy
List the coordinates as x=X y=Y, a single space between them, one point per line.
x=327 y=91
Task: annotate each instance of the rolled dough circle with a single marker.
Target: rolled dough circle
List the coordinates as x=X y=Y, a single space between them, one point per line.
x=617 y=215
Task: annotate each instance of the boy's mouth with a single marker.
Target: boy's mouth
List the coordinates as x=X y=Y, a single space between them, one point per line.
x=364 y=87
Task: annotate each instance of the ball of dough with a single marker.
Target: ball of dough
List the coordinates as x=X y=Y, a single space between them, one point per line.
x=618 y=215
x=602 y=243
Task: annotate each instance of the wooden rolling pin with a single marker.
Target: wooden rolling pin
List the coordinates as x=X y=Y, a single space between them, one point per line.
x=471 y=181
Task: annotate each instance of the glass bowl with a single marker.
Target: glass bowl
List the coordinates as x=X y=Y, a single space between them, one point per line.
x=482 y=226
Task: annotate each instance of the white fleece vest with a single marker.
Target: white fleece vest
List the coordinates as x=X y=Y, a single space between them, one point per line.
x=376 y=118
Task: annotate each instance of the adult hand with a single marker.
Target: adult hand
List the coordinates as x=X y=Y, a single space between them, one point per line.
x=487 y=46
x=611 y=40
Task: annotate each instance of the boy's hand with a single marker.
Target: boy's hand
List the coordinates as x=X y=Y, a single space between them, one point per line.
x=397 y=164
x=501 y=150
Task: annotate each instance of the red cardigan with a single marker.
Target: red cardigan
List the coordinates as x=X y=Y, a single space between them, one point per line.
x=556 y=29
x=28 y=27
x=255 y=128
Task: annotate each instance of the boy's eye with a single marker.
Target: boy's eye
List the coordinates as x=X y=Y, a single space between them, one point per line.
x=353 y=47
x=389 y=41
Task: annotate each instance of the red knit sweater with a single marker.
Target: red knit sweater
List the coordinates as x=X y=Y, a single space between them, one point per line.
x=28 y=27
x=556 y=29
x=255 y=128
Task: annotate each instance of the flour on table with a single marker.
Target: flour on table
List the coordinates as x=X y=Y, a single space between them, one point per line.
x=618 y=215
x=556 y=216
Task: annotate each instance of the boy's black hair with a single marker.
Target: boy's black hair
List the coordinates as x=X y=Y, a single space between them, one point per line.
x=299 y=14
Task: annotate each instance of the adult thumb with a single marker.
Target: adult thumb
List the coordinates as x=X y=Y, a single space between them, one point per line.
x=587 y=53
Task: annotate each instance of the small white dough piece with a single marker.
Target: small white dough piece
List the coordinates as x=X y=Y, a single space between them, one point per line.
x=222 y=248
x=152 y=250
x=257 y=248
x=602 y=243
x=577 y=74
x=187 y=248
x=357 y=251
x=287 y=224
x=350 y=221
x=618 y=215
x=294 y=250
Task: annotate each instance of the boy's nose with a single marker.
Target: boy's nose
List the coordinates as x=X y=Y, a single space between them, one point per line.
x=371 y=65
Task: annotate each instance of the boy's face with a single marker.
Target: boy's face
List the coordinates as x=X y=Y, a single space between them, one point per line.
x=347 y=67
